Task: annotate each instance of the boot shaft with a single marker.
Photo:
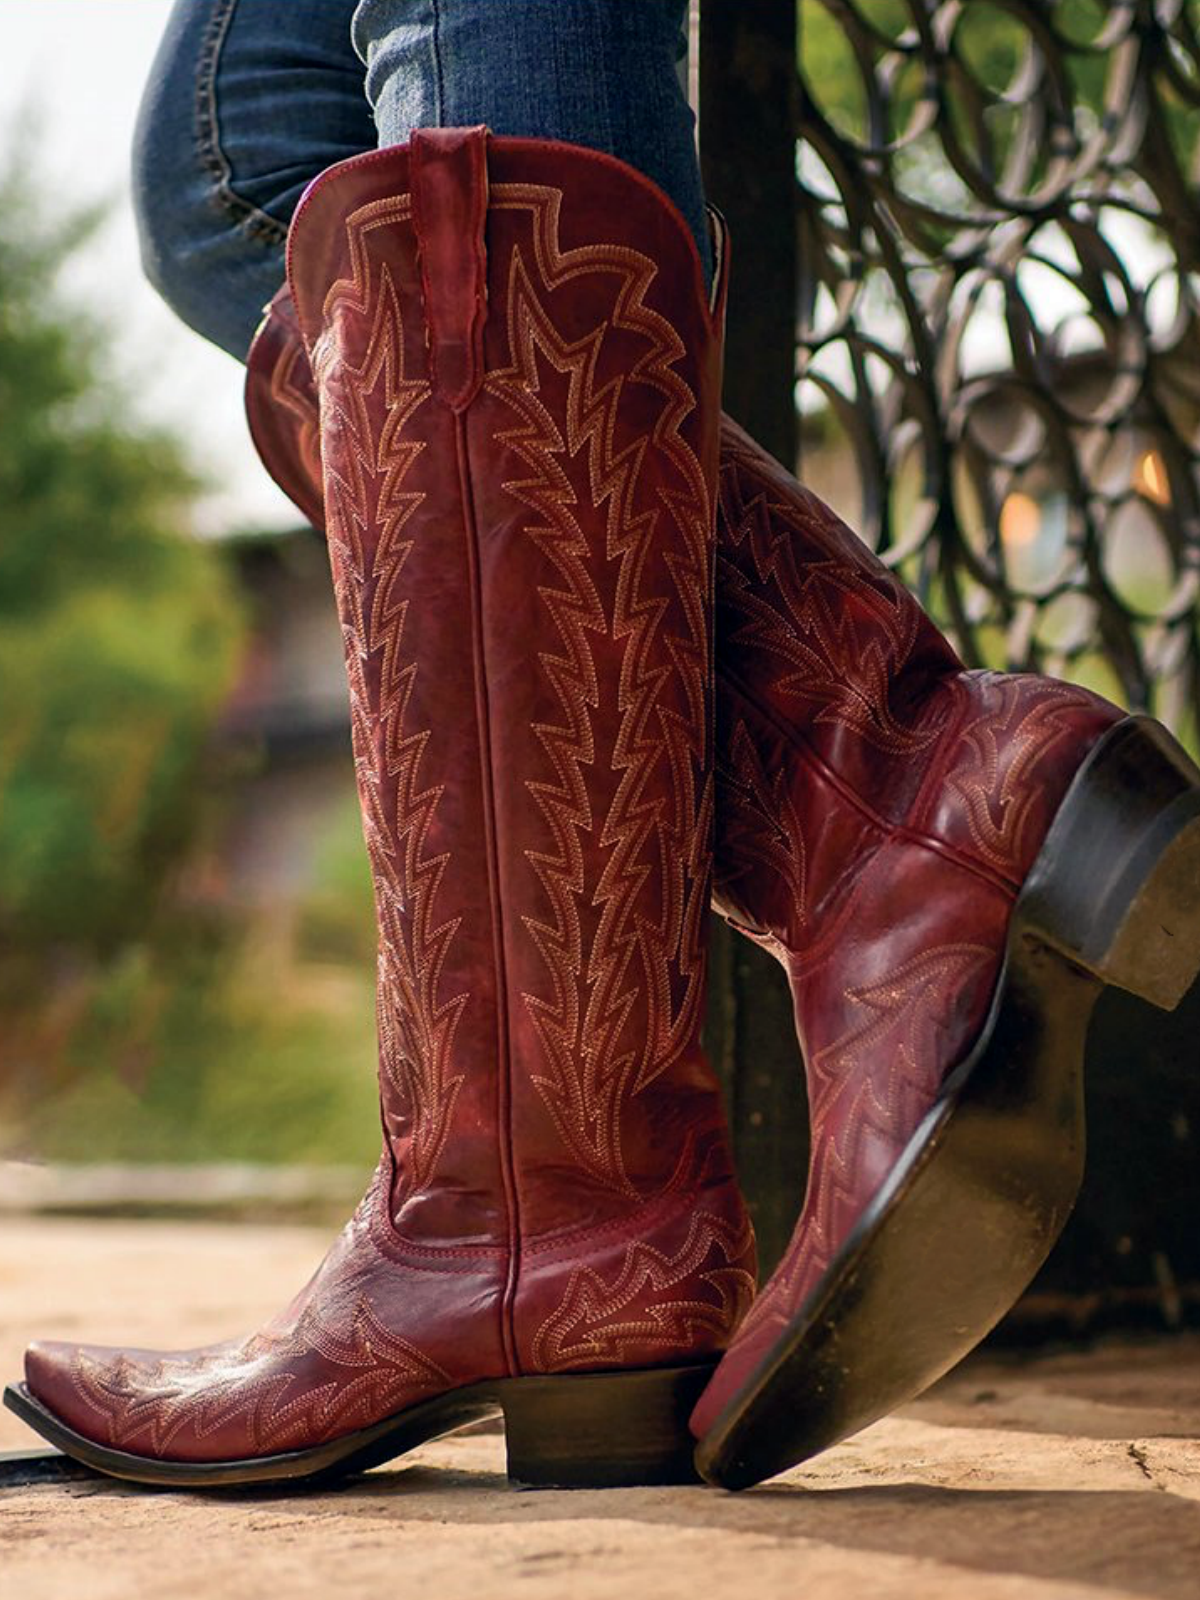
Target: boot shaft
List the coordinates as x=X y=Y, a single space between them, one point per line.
x=847 y=725
x=518 y=372
x=841 y=710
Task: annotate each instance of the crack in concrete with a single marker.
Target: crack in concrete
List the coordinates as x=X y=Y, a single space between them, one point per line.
x=1137 y=1455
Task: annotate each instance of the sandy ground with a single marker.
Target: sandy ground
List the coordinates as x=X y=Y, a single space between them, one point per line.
x=1070 y=1475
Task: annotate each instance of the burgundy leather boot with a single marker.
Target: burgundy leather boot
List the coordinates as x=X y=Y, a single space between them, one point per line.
x=949 y=865
x=518 y=370
x=884 y=827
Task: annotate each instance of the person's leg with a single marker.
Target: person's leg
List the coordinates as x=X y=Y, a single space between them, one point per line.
x=247 y=102
x=240 y=114
x=598 y=73
x=865 y=781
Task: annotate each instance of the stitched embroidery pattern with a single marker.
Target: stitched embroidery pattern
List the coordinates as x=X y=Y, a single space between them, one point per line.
x=797 y=586
x=626 y=988
x=291 y=389
x=869 y=1089
x=692 y=1299
x=283 y=1391
x=1021 y=725
x=759 y=827
x=365 y=488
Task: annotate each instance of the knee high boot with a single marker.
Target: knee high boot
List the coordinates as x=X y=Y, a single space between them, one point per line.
x=518 y=372
x=948 y=864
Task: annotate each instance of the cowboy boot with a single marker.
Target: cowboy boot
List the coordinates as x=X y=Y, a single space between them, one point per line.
x=880 y=814
x=518 y=371
x=949 y=865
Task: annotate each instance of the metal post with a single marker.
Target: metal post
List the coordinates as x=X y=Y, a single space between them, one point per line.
x=747 y=96
x=748 y=101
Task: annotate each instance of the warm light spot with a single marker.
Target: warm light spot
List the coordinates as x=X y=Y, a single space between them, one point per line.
x=1150 y=478
x=1020 y=521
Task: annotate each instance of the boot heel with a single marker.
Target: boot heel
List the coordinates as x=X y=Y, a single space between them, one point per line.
x=602 y=1430
x=1116 y=887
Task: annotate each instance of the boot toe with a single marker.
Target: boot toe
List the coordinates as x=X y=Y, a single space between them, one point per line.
x=48 y=1367
x=52 y=1378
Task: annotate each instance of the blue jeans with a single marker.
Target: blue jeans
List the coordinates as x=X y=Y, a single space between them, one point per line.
x=249 y=100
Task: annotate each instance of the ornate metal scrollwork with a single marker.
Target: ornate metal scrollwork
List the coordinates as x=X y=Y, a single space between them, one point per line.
x=999 y=205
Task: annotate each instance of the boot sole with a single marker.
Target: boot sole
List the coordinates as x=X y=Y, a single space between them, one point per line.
x=599 y=1430
x=984 y=1188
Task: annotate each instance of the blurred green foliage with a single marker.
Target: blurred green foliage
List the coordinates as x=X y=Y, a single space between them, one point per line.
x=990 y=44
x=989 y=49
x=141 y=1017
x=118 y=634
x=210 y=1043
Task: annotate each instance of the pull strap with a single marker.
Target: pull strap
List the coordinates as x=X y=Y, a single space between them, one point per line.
x=448 y=172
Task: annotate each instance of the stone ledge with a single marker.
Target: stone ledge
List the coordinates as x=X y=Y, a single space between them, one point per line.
x=215 y=1189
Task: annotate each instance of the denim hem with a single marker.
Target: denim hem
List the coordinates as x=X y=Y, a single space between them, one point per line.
x=254 y=221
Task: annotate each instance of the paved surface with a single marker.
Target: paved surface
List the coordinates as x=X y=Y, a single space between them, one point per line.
x=1070 y=1476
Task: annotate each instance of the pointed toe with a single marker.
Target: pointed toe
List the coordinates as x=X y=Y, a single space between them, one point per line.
x=48 y=1367
x=52 y=1381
